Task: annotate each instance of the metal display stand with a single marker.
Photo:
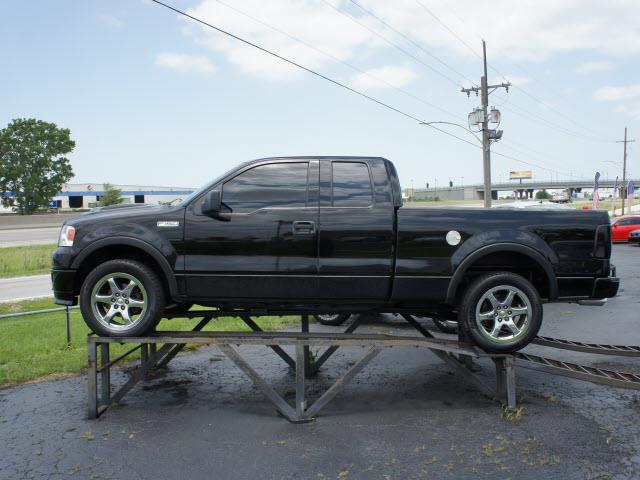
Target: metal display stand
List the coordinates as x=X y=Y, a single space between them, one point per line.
x=158 y=349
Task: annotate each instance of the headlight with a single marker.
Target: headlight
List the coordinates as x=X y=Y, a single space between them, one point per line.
x=67 y=234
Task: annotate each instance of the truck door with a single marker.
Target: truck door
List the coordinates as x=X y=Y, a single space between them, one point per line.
x=356 y=230
x=268 y=246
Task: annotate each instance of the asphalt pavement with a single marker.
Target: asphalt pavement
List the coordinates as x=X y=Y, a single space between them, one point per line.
x=22 y=288
x=405 y=416
x=14 y=237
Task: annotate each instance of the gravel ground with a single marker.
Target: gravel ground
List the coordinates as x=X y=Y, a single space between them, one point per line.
x=407 y=415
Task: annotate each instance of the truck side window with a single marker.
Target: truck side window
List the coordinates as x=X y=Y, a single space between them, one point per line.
x=270 y=185
x=351 y=185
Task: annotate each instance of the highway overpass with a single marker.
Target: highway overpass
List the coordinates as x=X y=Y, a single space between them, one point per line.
x=524 y=189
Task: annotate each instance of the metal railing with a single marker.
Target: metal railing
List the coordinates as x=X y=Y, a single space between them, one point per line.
x=47 y=310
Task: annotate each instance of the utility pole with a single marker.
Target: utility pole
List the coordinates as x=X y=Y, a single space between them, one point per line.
x=480 y=116
x=623 y=190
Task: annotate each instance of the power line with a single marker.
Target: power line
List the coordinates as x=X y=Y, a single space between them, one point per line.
x=525 y=92
x=557 y=112
x=511 y=147
x=411 y=41
x=333 y=57
x=335 y=82
x=389 y=42
x=309 y=70
x=538 y=120
x=449 y=29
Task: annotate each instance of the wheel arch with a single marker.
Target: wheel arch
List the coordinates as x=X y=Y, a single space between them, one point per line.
x=129 y=248
x=538 y=261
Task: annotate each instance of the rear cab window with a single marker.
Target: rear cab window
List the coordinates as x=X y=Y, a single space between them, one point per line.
x=351 y=185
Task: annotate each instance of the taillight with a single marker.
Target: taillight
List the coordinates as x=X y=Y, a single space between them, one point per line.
x=602 y=243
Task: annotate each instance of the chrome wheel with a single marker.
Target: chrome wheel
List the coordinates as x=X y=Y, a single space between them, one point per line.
x=328 y=317
x=503 y=313
x=119 y=301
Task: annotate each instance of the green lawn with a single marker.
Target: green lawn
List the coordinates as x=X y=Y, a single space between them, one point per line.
x=25 y=260
x=34 y=347
x=606 y=204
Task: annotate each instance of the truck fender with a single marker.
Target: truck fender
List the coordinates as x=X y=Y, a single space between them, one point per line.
x=136 y=243
x=470 y=259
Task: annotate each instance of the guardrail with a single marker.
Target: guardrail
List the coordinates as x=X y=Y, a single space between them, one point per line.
x=47 y=310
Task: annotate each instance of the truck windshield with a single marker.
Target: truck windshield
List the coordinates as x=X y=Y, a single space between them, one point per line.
x=185 y=201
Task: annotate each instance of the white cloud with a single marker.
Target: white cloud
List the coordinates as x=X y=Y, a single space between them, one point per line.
x=588 y=68
x=528 y=30
x=313 y=22
x=617 y=93
x=384 y=77
x=523 y=30
x=183 y=62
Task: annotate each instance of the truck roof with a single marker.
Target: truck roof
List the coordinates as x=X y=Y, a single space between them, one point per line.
x=319 y=157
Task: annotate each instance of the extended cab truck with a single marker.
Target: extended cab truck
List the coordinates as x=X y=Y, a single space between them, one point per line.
x=324 y=235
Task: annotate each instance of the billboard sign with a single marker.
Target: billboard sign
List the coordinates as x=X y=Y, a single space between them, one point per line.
x=520 y=174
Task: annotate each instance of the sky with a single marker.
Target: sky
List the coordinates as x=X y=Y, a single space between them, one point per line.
x=153 y=98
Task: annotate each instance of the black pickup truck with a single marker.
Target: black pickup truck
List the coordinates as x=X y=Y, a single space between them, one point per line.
x=327 y=235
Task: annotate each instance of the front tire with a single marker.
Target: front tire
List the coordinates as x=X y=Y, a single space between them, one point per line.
x=501 y=311
x=122 y=298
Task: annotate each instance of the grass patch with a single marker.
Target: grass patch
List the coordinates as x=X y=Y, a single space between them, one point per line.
x=605 y=204
x=25 y=260
x=35 y=346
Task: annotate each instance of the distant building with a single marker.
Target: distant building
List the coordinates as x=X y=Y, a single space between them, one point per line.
x=87 y=195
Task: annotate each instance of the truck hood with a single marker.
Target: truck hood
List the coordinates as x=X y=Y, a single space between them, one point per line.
x=122 y=212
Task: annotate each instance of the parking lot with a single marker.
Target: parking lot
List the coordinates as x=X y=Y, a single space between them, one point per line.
x=407 y=415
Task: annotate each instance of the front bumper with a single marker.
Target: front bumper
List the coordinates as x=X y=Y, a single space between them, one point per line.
x=63 y=282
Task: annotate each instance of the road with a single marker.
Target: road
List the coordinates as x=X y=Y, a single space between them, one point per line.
x=20 y=288
x=405 y=416
x=28 y=236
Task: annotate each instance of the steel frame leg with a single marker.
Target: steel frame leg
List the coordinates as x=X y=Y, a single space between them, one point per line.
x=299 y=414
x=450 y=359
x=92 y=379
x=311 y=367
x=306 y=361
x=467 y=360
x=177 y=348
x=315 y=366
x=276 y=348
x=105 y=374
x=302 y=371
x=506 y=380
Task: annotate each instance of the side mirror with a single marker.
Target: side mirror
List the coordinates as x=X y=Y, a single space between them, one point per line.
x=212 y=204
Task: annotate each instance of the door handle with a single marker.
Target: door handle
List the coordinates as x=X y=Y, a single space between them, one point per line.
x=304 y=227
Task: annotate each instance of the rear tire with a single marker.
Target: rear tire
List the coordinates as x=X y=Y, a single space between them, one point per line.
x=122 y=298
x=501 y=312
x=332 y=319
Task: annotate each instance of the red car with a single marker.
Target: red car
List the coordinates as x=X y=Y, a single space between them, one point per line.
x=623 y=226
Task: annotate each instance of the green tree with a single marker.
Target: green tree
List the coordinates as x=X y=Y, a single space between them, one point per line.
x=112 y=195
x=542 y=195
x=33 y=165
